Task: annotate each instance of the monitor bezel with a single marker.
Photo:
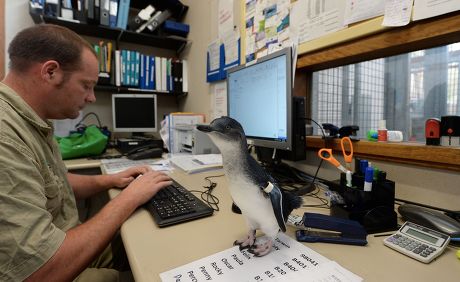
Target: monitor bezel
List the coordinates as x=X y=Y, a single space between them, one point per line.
x=132 y=129
x=260 y=141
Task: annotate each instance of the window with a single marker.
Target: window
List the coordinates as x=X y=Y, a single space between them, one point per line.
x=405 y=90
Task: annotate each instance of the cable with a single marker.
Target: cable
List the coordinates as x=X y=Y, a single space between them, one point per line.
x=207 y=196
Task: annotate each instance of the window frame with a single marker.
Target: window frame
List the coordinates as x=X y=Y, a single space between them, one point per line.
x=417 y=35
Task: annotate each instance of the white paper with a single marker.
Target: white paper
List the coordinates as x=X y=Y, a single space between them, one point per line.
x=225 y=17
x=214 y=55
x=315 y=19
x=230 y=41
x=117 y=165
x=359 y=10
x=219 y=99
x=430 y=8
x=289 y=259
x=197 y=163
x=397 y=12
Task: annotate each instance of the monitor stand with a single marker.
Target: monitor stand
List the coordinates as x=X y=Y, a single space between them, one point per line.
x=282 y=172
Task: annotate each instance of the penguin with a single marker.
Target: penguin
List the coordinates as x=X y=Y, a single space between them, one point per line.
x=263 y=204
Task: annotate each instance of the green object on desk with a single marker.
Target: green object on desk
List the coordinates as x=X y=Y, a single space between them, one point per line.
x=90 y=142
x=458 y=254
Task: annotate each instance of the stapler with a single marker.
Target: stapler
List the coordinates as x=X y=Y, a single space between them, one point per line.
x=330 y=229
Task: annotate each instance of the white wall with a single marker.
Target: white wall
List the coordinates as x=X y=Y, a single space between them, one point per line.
x=16 y=18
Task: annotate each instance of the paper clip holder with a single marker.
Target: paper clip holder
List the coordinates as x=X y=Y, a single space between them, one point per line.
x=329 y=229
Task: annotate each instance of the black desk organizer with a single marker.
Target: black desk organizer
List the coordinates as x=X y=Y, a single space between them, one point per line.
x=374 y=209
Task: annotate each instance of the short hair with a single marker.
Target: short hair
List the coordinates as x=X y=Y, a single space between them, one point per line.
x=43 y=42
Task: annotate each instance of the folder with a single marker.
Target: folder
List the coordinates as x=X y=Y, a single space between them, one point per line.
x=104 y=12
x=123 y=12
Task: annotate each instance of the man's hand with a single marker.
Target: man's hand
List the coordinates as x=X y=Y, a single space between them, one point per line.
x=144 y=187
x=124 y=178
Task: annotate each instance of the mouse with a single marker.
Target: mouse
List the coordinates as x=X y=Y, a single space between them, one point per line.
x=431 y=219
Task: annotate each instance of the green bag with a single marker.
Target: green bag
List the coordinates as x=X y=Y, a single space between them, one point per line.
x=91 y=142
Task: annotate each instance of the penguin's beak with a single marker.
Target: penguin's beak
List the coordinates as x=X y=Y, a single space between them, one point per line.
x=204 y=128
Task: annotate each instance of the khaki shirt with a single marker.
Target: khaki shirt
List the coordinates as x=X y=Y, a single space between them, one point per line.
x=37 y=204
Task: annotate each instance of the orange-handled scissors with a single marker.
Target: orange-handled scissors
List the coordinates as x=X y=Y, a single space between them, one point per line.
x=326 y=154
x=348 y=157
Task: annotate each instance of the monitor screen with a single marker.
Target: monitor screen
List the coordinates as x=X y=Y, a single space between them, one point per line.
x=260 y=97
x=134 y=112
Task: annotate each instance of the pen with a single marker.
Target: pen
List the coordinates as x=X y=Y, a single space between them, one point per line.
x=368 y=178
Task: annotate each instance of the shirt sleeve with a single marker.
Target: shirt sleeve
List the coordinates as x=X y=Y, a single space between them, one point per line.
x=28 y=236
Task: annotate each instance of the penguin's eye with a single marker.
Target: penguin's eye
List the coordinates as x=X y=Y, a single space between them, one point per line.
x=228 y=127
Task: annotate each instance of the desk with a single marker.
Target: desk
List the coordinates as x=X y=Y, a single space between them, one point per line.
x=152 y=250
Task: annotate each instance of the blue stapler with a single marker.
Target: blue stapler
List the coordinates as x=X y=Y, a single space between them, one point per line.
x=330 y=229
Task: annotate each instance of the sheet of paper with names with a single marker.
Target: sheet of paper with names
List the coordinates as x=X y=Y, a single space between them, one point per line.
x=116 y=165
x=288 y=261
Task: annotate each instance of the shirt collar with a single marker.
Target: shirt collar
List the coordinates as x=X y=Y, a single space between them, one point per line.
x=23 y=109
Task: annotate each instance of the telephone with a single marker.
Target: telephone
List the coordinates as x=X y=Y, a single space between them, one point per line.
x=145 y=152
x=431 y=219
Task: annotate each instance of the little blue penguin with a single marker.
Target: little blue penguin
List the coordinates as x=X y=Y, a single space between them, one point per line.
x=263 y=204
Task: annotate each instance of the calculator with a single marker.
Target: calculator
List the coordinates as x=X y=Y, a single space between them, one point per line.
x=418 y=242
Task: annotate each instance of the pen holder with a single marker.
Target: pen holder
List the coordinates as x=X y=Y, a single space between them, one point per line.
x=373 y=209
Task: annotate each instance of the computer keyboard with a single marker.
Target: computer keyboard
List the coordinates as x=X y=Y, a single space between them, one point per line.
x=175 y=204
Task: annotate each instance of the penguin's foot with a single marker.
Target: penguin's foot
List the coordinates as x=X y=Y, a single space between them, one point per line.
x=246 y=242
x=261 y=249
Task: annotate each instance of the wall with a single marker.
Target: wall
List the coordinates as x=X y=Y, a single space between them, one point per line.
x=428 y=186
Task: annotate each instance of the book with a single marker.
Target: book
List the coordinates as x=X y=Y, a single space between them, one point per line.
x=197 y=163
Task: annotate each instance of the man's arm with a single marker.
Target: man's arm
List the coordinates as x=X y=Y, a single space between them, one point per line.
x=85 y=186
x=84 y=242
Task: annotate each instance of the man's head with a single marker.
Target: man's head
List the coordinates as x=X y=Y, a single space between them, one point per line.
x=57 y=68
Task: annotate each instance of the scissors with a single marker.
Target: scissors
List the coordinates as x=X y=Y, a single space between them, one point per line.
x=326 y=154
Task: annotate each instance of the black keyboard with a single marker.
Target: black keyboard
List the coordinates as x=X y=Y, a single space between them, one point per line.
x=175 y=204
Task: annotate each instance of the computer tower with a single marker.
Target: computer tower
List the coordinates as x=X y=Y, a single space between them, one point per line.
x=299 y=150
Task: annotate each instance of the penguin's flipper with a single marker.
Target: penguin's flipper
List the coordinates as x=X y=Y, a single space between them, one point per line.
x=276 y=197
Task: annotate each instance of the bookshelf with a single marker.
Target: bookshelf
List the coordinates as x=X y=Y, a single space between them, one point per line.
x=174 y=43
x=119 y=35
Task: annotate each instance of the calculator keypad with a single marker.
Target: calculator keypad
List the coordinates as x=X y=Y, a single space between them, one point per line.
x=411 y=245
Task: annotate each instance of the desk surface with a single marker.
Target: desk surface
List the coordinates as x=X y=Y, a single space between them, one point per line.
x=152 y=250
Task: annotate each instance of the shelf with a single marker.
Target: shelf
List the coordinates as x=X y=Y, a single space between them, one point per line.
x=164 y=42
x=123 y=89
x=439 y=157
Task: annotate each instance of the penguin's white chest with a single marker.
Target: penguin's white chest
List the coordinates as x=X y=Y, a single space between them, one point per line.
x=255 y=206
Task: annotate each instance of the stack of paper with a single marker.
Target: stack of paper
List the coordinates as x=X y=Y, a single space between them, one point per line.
x=288 y=261
x=197 y=163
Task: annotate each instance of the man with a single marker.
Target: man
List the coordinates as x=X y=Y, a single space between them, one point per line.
x=52 y=75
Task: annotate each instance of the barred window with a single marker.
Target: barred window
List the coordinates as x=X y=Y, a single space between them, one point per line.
x=405 y=90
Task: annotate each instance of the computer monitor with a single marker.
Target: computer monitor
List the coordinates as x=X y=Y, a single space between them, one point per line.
x=260 y=98
x=136 y=113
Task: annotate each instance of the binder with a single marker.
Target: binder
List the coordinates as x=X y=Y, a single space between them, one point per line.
x=97 y=11
x=184 y=76
x=123 y=12
x=52 y=8
x=113 y=13
x=152 y=84
x=117 y=68
x=90 y=9
x=78 y=7
x=164 y=81
x=104 y=12
x=158 y=73
x=177 y=76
